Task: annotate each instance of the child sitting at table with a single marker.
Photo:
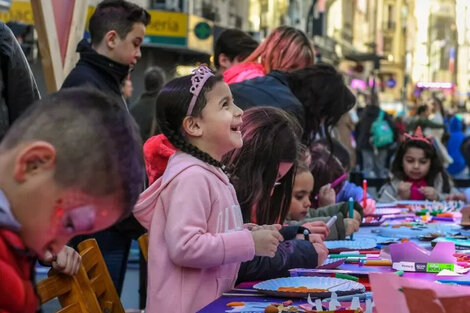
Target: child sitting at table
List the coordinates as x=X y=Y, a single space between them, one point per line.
x=263 y=171
x=196 y=235
x=417 y=172
x=301 y=213
x=72 y=164
x=331 y=183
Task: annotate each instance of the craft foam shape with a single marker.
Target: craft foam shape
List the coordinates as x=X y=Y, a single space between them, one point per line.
x=355 y=303
x=369 y=306
x=318 y=305
x=333 y=304
x=389 y=299
x=409 y=251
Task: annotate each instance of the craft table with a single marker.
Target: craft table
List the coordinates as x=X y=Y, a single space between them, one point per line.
x=220 y=304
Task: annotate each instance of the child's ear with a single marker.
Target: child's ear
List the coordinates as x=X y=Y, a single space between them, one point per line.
x=110 y=39
x=34 y=158
x=192 y=126
x=224 y=61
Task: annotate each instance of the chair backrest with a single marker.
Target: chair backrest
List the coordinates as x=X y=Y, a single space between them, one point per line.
x=74 y=292
x=144 y=245
x=99 y=277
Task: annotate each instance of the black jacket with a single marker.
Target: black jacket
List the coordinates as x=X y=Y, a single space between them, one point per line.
x=368 y=116
x=270 y=90
x=98 y=71
x=143 y=112
x=18 y=88
x=291 y=253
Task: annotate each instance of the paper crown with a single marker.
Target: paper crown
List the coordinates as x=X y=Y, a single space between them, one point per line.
x=418 y=135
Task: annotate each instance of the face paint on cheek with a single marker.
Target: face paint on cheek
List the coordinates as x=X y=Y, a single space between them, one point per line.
x=82 y=218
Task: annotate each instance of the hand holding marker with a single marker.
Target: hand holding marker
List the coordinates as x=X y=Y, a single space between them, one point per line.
x=351 y=212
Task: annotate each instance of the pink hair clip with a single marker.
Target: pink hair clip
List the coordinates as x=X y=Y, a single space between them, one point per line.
x=418 y=135
x=199 y=78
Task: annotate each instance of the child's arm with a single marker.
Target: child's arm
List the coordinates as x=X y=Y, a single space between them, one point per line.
x=290 y=254
x=188 y=202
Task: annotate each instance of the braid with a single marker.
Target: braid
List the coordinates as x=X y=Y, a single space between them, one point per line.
x=178 y=141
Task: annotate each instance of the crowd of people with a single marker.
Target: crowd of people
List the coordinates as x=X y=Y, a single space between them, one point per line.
x=244 y=164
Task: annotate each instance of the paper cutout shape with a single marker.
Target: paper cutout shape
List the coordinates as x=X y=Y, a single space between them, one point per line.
x=429 y=296
x=448 y=273
x=409 y=251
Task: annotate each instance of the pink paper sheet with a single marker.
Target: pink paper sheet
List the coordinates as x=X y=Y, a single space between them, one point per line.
x=409 y=251
x=389 y=299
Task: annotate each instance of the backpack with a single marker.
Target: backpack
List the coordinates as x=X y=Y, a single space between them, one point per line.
x=381 y=132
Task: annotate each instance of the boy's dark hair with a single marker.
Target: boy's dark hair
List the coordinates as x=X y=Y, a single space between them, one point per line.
x=98 y=146
x=154 y=79
x=325 y=168
x=324 y=95
x=172 y=106
x=430 y=152
x=118 y=15
x=270 y=136
x=233 y=43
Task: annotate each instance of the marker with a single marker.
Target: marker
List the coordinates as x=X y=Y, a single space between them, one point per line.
x=452 y=281
x=306 y=234
x=351 y=212
x=364 y=193
x=331 y=221
x=378 y=263
x=338 y=180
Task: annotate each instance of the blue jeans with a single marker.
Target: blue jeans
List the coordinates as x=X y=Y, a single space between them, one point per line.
x=115 y=249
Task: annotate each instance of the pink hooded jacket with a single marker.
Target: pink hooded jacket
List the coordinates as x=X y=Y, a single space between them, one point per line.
x=196 y=235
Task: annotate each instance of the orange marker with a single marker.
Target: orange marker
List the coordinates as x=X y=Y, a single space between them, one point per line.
x=378 y=263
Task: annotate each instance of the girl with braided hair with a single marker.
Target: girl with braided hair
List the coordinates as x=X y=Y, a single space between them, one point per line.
x=197 y=239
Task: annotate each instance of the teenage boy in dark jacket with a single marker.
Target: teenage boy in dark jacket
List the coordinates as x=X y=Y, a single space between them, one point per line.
x=117 y=29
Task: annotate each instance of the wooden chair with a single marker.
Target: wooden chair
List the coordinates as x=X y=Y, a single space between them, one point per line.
x=144 y=245
x=98 y=275
x=74 y=292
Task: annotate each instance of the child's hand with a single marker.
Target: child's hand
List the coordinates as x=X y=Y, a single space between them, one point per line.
x=67 y=261
x=404 y=190
x=326 y=196
x=351 y=225
x=370 y=207
x=270 y=227
x=430 y=193
x=456 y=197
x=356 y=216
x=322 y=252
x=266 y=241
x=318 y=227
